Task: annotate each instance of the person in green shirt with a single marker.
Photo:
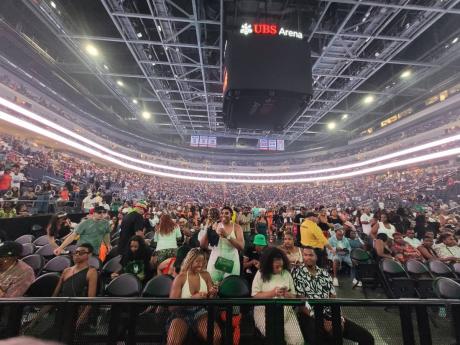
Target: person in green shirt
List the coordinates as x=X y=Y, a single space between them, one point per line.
x=93 y=230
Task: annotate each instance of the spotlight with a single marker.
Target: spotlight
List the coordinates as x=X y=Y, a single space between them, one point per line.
x=106 y=67
x=344 y=116
x=146 y=115
x=331 y=125
x=135 y=101
x=368 y=99
x=139 y=34
x=406 y=74
x=120 y=83
x=92 y=50
x=455 y=40
x=53 y=4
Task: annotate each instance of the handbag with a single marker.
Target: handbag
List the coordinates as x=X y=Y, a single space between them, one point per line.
x=224 y=265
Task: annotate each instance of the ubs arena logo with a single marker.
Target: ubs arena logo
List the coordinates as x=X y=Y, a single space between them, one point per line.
x=268 y=29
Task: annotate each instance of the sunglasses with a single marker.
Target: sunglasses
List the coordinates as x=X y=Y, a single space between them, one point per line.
x=80 y=252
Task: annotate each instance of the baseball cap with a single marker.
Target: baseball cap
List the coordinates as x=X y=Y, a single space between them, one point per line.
x=10 y=249
x=259 y=240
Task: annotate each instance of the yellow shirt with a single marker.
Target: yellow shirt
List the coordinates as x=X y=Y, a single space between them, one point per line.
x=311 y=235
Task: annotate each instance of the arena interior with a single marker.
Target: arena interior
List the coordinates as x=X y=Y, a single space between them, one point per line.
x=230 y=172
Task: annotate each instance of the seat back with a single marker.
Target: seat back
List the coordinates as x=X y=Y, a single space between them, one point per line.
x=234 y=287
x=417 y=270
x=95 y=262
x=41 y=241
x=25 y=239
x=446 y=288
x=360 y=255
x=440 y=269
x=456 y=267
x=113 y=265
x=47 y=251
x=396 y=280
x=35 y=261
x=72 y=248
x=44 y=285
x=57 y=264
x=159 y=286
x=125 y=285
x=27 y=249
x=392 y=269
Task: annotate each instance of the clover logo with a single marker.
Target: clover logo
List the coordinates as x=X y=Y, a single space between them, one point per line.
x=246 y=29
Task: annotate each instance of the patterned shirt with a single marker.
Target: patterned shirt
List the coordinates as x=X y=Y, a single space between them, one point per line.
x=317 y=286
x=15 y=281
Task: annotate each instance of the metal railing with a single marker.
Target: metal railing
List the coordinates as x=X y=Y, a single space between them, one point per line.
x=119 y=319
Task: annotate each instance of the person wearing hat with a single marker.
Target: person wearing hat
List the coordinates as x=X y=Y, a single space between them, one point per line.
x=251 y=257
x=94 y=231
x=132 y=224
x=15 y=275
x=311 y=235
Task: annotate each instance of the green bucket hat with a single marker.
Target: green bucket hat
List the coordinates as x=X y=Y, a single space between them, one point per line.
x=259 y=240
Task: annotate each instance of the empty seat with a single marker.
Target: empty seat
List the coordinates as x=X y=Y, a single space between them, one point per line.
x=125 y=285
x=112 y=253
x=113 y=265
x=27 y=249
x=25 y=239
x=46 y=251
x=441 y=269
x=57 y=264
x=41 y=241
x=397 y=282
x=234 y=287
x=44 y=285
x=423 y=278
x=35 y=261
x=447 y=288
x=365 y=267
x=159 y=286
x=456 y=267
x=71 y=248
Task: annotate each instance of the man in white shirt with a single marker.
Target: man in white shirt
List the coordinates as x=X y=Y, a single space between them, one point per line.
x=16 y=176
x=366 y=221
x=411 y=239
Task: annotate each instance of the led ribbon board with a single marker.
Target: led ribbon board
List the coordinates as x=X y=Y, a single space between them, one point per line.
x=268 y=29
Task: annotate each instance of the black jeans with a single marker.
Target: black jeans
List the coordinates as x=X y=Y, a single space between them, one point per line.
x=351 y=331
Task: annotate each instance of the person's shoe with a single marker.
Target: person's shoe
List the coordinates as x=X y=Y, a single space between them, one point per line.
x=354 y=282
x=360 y=284
x=335 y=282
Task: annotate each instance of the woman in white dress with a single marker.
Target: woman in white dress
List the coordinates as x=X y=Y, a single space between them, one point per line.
x=385 y=227
x=273 y=280
x=224 y=259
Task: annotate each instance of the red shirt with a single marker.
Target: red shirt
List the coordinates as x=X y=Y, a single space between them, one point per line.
x=5 y=182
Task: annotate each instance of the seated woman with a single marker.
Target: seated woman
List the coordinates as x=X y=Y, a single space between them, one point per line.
x=293 y=253
x=273 y=280
x=381 y=247
x=426 y=248
x=448 y=249
x=137 y=260
x=402 y=250
x=58 y=228
x=192 y=282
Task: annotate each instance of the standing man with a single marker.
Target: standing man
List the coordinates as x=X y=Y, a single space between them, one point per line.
x=133 y=224
x=93 y=231
x=313 y=282
x=244 y=220
x=366 y=221
x=311 y=235
x=342 y=255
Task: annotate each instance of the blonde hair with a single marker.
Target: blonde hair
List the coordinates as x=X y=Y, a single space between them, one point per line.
x=192 y=255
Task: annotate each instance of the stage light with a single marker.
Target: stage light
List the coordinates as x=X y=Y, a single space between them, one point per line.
x=331 y=125
x=45 y=132
x=344 y=117
x=13 y=106
x=91 y=50
x=53 y=4
x=455 y=40
x=135 y=101
x=368 y=99
x=139 y=34
x=146 y=115
x=106 y=67
x=406 y=74
x=120 y=83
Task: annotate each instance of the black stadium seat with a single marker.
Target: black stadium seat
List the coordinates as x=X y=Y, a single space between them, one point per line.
x=46 y=251
x=95 y=262
x=159 y=287
x=447 y=288
x=25 y=239
x=365 y=267
x=41 y=241
x=125 y=285
x=234 y=287
x=397 y=282
x=423 y=278
x=27 y=249
x=35 y=261
x=44 y=285
x=57 y=264
x=441 y=269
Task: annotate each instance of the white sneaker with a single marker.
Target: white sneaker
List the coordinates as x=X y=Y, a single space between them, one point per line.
x=354 y=282
x=360 y=284
x=335 y=282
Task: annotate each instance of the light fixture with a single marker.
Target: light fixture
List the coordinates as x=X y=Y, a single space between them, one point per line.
x=455 y=40
x=153 y=63
x=120 y=83
x=406 y=74
x=135 y=101
x=344 y=116
x=70 y=134
x=368 y=99
x=106 y=67
x=53 y=4
x=92 y=152
x=159 y=28
x=139 y=34
x=146 y=115
x=331 y=125
x=377 y=54
x=91 y=50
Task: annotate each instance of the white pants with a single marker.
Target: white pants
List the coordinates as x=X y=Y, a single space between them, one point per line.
x=292 y=332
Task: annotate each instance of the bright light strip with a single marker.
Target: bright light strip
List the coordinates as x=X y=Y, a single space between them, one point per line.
x=61 y=129
x=34 y=128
